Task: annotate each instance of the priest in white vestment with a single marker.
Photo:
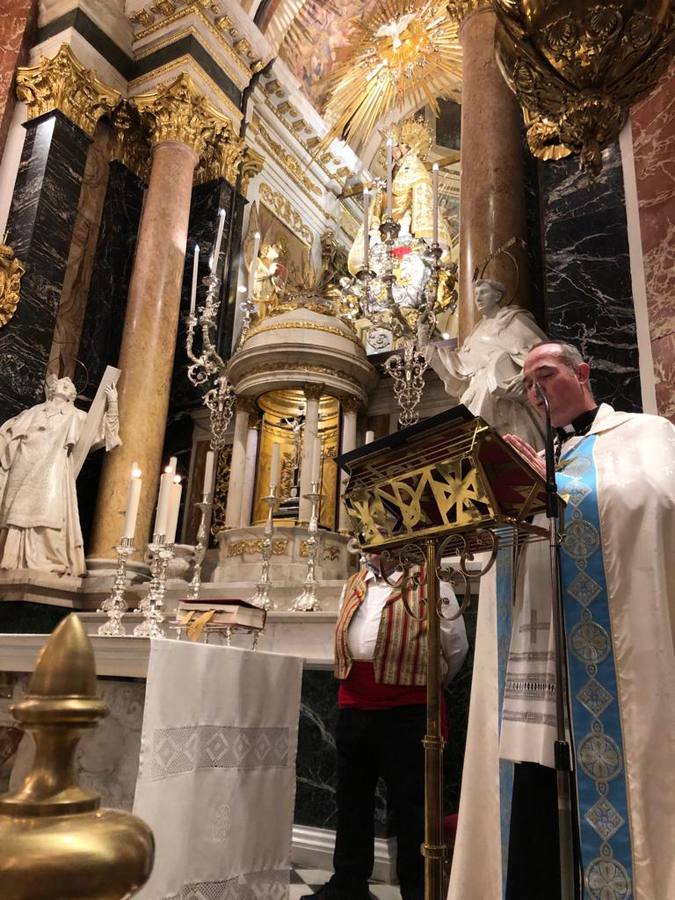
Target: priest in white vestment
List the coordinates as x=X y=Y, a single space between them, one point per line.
x=39 y=519
x=616 y=472
x=485 y=374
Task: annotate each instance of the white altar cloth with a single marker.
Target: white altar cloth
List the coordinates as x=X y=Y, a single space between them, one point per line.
x=216 y=779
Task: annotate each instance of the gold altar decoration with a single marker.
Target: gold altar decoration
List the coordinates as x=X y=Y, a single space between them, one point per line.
x=57 y=844
x=251 y=165
x=132 y=145
x=255 y=547
x=279 y=409
x=282 y=208
x=62 y=83
x=578 y=67
x=286 y=160
x=11 y=271
x=458 y=10
x=222 y=157
x=178 y=112
x=404 y=53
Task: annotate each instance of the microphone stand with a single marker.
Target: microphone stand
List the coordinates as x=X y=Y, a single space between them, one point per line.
x=570 y=887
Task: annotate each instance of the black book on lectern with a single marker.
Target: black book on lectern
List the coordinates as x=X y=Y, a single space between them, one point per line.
x=449 y=474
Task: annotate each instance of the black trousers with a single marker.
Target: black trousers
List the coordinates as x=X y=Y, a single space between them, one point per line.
x=534 y=861
x=387 y=744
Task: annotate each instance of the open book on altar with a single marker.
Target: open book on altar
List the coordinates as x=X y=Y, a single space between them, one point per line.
x=219 y=613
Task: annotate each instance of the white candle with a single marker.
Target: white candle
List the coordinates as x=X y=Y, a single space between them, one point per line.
x=370 y=437
x=195 y=268
x=209 y=471
x=163 y=501
x=366 y=225
x=175 y=490
x=133 y=499
x=390 y=172
x=219 y=237
x=173 y=462
x=434 y=182
x=254 y=264
x=316 y=460
x=275 y=467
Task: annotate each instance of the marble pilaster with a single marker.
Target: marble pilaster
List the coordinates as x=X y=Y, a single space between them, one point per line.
x=589 y=300
x=492 y=197
x=235 y=491
x=349 y=412
x=40 y=227
x=310 y=431
x=653 y=127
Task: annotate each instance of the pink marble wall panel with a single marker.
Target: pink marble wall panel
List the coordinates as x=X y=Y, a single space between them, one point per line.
x=653 y=125
x=17 y=18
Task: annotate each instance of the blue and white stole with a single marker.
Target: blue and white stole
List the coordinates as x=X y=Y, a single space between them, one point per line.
x=596 y=726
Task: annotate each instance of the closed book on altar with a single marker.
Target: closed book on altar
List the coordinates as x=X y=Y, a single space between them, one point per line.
x=226 y=613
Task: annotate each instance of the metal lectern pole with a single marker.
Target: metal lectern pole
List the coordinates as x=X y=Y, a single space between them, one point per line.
x=433 y=849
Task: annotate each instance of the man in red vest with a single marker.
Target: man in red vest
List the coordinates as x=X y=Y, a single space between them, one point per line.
x=380 y=661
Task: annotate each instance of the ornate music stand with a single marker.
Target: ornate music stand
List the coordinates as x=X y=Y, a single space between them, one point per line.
x=448 y=486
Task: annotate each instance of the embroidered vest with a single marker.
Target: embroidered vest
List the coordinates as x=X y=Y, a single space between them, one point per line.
x=401 y=648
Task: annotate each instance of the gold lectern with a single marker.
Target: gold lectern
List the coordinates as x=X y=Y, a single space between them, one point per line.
x=446 y=487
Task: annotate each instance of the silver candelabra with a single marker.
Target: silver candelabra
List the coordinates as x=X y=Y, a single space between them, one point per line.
x=206 y=508
x=115 y=605
x=307 y=601
x=261 y=597
x=151 y=606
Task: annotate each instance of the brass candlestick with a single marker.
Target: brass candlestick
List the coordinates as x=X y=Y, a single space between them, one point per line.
x=151 y=605
x=307 y=601
x=115 y=605
x=261 y=597
x=56 y=841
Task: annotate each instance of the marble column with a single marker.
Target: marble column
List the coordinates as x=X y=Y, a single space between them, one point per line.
x=17 y=20
x=492 y=195
x=180 y=121
x=311 y=429
x=235 y=488
x=349 y=411
x=250 y=468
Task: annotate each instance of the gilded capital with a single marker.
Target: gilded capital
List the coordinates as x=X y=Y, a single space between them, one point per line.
x=222 y=156
x=178 y=112
x=314 y=391
x=251 y=165
x=350 y=405
x=458 y=10
x=132 y=145
x=63 y=83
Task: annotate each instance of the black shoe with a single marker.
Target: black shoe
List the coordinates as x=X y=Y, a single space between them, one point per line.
x=330 y=892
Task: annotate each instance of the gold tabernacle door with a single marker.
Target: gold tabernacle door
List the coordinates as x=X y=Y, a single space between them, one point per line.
x=450 y=474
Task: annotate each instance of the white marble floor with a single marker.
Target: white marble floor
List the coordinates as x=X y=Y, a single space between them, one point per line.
x=307 y=881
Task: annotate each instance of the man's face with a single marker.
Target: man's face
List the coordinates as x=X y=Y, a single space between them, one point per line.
x=486 y=296
x=566 y=390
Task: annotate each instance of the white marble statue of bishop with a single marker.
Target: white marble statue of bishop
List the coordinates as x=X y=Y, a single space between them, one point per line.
x=39 y=519
x=485 y=374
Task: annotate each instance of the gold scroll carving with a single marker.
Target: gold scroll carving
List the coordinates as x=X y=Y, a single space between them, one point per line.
x=62 y=83
x=287 y=161
x=281 y=207
x=11 y=270
x=253 y=547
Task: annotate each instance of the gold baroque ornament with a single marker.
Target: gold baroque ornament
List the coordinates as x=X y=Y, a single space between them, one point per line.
x=578 y=67
x=458 y=10
x=288 y=162
x=222 y=157
x=178 y=112
x=281 y=207
x=63 y=83
x=251 y=165
x=239 y=548
x=402 y=53
x=11 y=270
x=132 y=145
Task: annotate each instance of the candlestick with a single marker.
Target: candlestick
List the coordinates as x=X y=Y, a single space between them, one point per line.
x=307 y=601
x=205 y=507
x=115 y=605
x=219 y=237
x=434 y=182
x=366 y=225
x=133 y=499
x=275 y=466
x=173 y=462
x=209 y=472
x=174 y=509
x=163 y=500
x=151 y=605
x=370 y=437
x=261 y=597
x=195 y=270
x=390 y=171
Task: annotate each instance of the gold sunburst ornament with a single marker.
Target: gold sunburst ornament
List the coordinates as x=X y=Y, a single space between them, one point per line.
x=406 y=53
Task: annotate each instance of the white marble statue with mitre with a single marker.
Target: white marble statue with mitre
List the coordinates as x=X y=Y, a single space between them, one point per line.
x=485 y=374
x=39 y=518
